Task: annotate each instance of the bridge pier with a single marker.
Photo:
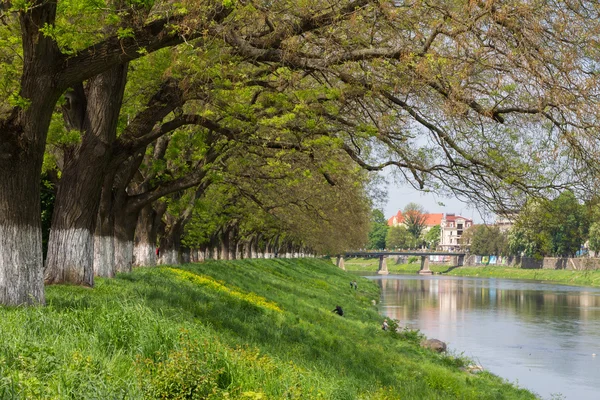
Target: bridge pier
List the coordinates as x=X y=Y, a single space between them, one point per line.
x=340 y=262
x=425 y=266
x=383 y=270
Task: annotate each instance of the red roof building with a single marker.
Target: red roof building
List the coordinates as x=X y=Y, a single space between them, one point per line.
x=430 y=219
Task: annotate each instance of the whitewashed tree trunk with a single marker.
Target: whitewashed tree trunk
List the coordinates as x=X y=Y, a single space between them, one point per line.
x=247 y=249
x=21 y=274
x=185 y=256
x=123 y=255
x=144 y=254
x=94 y=111
x=144 y=248
x=238 y=250
x=70 y=257
x=104 y=256
x=225 y=247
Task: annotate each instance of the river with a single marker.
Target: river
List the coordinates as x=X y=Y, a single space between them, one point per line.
x=540 y=336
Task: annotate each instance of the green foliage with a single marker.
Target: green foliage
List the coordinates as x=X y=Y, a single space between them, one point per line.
x=190 y=372
x=10 y=64
x=405 y=333
x=414 y=219
x=413 y=259
x=398 y=237
x=433 y=236
x=378 y=232
x=594 y=236
x=488 y=240
x=47 y=205
x=550 y=228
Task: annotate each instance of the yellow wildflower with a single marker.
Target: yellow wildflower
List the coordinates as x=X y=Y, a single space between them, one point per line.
x=252 y=298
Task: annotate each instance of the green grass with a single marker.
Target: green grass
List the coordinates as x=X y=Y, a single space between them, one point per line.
x=581 y=278
x=246 y=329
x=372 y=265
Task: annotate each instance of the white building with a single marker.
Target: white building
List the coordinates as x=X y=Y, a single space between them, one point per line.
x=453 y=227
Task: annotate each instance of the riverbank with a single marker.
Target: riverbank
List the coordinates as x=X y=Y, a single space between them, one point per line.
x=569 y=277
x=579 y=278
x=246 y=329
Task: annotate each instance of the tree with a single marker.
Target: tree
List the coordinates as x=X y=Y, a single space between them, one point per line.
x=398 y=237
x=594 y=236
x=378 y=232
x=488 y=240
x=433 y=236
x=51 y=63
x=418 y=98
x=555 y=227
x=414 y=219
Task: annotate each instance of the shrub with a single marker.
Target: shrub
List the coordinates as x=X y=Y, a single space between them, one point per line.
x=413 y=259
x=193 y=371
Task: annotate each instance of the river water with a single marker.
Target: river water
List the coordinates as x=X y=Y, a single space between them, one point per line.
x=540 y=336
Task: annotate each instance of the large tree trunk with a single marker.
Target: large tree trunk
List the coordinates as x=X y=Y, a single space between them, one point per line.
x=144 y=250
x=186 y=255
x=104 y=247
x=170 y=243
x=124 y=233
x=248 y=248
x=22 y=140
x=70 y=249
x=225 y=250
x=145 y=247
x=21 y=271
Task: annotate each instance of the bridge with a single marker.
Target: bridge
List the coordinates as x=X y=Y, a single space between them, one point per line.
x=383 y=269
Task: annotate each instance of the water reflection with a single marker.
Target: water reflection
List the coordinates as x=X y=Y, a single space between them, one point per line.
x=541 y=336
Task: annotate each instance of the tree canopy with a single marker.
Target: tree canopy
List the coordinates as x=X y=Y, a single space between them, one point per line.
x=378 y=231
x=127 y=103
x=555 y=227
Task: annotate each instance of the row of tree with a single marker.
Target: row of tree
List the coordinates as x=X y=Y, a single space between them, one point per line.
x=139 y=112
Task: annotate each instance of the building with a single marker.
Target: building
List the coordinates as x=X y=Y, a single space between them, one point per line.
x=431 y=220
x=453 y=227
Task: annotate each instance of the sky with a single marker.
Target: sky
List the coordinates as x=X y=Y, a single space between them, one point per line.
x=400 y=195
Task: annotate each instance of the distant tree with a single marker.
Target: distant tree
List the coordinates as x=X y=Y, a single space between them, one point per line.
x=550 y=227
x=488 y=240
x=378 y=231
x=467 y=237
x=398 y=237
x=569 y=224
x=433 y=236
x=594 y=236
x=414 y=219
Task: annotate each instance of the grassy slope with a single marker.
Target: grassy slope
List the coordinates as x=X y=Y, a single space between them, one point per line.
x=258 y=329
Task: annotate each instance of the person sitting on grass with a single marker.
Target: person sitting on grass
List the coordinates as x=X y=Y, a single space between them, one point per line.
x=338 y=310
x=385 y=325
